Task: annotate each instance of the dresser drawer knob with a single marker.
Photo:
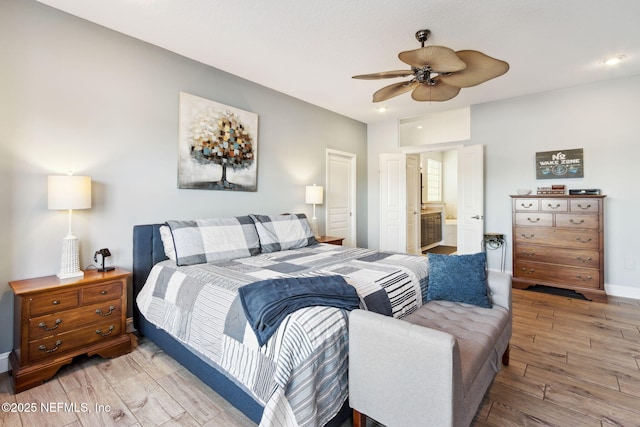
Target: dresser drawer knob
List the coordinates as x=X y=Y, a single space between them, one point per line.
x=533 y=220
x=50 y=350
x=55 y=302
x=101 y=313
x=572 y=221
x=556 y=206
x=585 y=260
x=581 y=240
x=533 y=270
x=103 y=292
x=527 y=237
x=104 y=334
x=44 y=325
x=584 y=207
x=584 y=279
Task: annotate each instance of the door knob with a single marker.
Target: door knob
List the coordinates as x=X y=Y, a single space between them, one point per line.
x=477 y=217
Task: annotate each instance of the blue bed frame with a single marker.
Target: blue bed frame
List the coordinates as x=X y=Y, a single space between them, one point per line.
x=147 y=251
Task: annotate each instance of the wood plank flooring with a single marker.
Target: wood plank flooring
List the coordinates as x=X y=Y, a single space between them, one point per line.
x=573 y=363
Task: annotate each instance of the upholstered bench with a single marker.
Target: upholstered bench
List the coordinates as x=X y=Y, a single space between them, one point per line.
x=434 y=366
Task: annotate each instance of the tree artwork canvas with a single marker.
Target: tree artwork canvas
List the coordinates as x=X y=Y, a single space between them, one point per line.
x=218 y=146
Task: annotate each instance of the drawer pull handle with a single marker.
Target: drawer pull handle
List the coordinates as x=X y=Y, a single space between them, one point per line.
x=533 y=270
x=584 y=207
x=527 y=237
x=99 y=331
x=50 y=350
x=526 y=206
x=583 y=279
x=579 y=239
x=103 y=292
x=44 y=325
x=576 y=222
x=101 y=313
x=55 y=302
x=529 y=254
x=583 y=260
x=533 y=220
x=554 y=207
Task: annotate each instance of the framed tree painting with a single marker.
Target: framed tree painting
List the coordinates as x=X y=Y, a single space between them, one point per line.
x=217 y=146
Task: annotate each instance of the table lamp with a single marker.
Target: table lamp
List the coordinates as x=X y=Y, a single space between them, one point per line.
x=313 y=196
x=69 y=192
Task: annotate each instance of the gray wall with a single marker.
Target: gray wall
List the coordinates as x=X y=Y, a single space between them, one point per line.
x=600 y=118
x=76 y=96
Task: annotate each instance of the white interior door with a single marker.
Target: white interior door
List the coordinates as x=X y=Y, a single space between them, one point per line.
x=340 y=211
x=413 y=203
x=470 y=199
x=393 y=222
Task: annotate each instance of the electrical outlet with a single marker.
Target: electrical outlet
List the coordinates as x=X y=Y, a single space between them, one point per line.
x=630 y=262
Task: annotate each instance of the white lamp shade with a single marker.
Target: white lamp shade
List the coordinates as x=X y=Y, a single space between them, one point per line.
x=313 y=194
x=69 y=192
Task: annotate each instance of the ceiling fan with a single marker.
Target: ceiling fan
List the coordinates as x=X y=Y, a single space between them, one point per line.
x=437 y=72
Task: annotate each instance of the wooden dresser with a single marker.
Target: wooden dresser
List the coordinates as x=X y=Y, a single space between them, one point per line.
x=56 y=320
x=558 y=241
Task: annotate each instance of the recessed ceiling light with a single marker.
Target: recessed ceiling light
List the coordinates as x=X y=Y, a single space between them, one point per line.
x=382 y=109
x=614 y=60
x=419 y=127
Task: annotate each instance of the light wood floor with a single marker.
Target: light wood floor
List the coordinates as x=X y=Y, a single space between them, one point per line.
x=573 y=363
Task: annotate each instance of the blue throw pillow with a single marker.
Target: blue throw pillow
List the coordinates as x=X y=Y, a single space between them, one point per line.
x=458 y=278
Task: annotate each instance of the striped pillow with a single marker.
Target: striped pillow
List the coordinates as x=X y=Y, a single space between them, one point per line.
x=282 y=232
x=219 y=239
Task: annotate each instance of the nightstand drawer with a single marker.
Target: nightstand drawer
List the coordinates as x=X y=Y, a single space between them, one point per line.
x=102 y=292
x=48 y=303
x=62 y=343
x=68 y=320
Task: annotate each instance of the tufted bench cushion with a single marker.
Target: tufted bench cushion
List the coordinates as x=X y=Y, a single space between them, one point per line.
x=475 y=328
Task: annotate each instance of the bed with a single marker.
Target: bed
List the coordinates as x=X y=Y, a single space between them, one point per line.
x=194 y=312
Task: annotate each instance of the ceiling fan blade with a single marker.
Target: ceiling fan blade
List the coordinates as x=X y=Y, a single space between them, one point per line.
x=384 y=75
x=393 y=90
x=439 y=58
x=480 y=68
x=438 y=92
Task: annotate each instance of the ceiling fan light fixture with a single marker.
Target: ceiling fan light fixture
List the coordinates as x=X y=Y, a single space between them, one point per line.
x=437 y=72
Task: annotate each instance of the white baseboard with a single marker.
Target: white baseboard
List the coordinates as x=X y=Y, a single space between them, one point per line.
x=622 y=291
x=4 y=362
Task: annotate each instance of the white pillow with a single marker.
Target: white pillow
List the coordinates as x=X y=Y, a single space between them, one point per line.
x=167 y=242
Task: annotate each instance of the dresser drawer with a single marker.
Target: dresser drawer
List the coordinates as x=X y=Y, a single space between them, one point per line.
x=585 y=205
x=68 y=320
x=574 y=276
x=554 y=205
x=563 y=237
x=47 y=303
x=534 y=218
x=62 y=343
x=526 y=204
x=102 y=292
x=571 y=220
x=576 y=258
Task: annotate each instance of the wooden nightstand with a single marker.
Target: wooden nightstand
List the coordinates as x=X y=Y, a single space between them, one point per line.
x=56 y=320
x=331 y=240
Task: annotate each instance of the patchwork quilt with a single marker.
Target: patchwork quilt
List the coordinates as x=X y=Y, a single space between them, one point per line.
x=300 y=374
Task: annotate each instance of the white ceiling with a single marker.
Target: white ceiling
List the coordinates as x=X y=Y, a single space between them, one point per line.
x=310 y=49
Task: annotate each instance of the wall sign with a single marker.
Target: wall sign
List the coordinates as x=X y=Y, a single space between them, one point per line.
x=560 y=164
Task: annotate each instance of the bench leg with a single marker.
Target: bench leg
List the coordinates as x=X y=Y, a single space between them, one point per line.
x=359 y=420
x=505 y=356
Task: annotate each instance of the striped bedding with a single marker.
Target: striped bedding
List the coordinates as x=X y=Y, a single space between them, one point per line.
x=300 y=374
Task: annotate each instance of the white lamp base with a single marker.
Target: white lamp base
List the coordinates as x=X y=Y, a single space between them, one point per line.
x=70 y=262
x=314 y=227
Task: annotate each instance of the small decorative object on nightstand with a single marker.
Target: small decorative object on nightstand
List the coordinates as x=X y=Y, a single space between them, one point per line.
x=331 y=240
x=56 y=320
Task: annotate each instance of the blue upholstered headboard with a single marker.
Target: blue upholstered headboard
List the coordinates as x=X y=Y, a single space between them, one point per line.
x=147 y=251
